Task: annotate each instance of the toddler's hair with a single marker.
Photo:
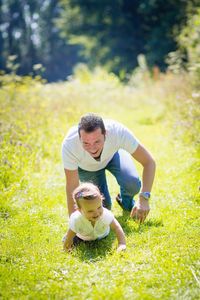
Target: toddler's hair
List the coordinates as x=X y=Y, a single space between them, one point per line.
x=88 y=191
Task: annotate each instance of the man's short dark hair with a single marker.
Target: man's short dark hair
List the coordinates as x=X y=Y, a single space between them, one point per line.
x=90 y=122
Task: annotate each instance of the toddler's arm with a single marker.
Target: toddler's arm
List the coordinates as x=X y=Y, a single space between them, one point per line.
x=68 y=241
x=120 y=235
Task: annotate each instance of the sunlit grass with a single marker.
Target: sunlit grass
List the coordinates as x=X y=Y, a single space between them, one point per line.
x=162 y=257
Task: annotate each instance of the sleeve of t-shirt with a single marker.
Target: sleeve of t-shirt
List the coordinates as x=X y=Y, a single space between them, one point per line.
x=125 y=138
x=108 y=216
x=72 y=221
x=69 y=160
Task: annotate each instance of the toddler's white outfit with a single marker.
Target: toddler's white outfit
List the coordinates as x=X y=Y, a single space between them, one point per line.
x=84 y=228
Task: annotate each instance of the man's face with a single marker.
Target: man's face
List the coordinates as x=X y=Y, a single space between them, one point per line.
x=93 y=142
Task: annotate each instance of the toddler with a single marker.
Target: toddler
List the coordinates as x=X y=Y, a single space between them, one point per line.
x=91 y=221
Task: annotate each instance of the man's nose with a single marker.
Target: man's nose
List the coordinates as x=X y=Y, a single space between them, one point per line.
x=93 y=148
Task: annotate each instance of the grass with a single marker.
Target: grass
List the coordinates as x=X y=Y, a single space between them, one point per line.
x=162 y=257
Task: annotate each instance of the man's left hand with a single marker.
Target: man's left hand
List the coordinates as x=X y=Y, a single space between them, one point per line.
x=140 y=210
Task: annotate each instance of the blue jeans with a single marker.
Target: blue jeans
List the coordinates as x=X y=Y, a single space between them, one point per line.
x=123 y=168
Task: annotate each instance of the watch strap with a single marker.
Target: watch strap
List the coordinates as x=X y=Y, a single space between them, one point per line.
x=145 y=195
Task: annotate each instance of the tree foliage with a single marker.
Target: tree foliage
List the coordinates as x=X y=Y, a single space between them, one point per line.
x=115 y=32
x=58 y=34
x=189 y=41
x=27 y=30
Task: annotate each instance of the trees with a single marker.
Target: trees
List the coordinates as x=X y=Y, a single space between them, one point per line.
x=27 y=30
x=113 y=33
x=189 y=42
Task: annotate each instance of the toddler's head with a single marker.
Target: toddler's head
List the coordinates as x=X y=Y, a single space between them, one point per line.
x=89 y=201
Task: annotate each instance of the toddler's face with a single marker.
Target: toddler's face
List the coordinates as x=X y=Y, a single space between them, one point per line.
x=91 y=209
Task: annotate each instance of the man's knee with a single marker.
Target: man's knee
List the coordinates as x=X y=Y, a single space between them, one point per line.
x=107 y=204
x=133 y=185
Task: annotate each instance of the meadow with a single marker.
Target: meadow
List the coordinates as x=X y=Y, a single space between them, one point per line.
x=162 y=256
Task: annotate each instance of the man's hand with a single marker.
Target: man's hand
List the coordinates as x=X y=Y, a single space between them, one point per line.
x=140 y=210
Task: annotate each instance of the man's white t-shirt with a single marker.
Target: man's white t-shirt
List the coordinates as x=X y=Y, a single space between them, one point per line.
x=117 y=137
x=85 y=230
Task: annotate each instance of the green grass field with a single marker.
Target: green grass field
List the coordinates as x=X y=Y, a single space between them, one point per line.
x=162 y=257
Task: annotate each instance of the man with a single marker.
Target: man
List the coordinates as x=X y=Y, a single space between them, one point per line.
x=97 y=145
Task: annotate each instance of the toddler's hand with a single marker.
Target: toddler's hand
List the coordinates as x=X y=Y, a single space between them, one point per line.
x=67 y=249
x=121 y=247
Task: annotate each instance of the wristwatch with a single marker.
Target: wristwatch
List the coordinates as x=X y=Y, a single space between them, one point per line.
x=145 y=195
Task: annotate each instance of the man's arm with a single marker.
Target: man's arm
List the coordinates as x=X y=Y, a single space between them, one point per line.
x=72 y=181
x=120 y=235
x=141 y=210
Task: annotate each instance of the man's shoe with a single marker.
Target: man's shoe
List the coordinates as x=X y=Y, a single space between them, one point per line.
x=119 y=200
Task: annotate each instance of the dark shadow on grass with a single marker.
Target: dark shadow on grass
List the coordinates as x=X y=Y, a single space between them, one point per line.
x=94 y=250
x=7 y=212
x=126 y=222
x=148 y=224
x=154 y=223
x=196 y=199
x=130 y=226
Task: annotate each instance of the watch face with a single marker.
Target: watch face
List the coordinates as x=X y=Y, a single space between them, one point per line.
x=145 y=195
x=148 y=195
